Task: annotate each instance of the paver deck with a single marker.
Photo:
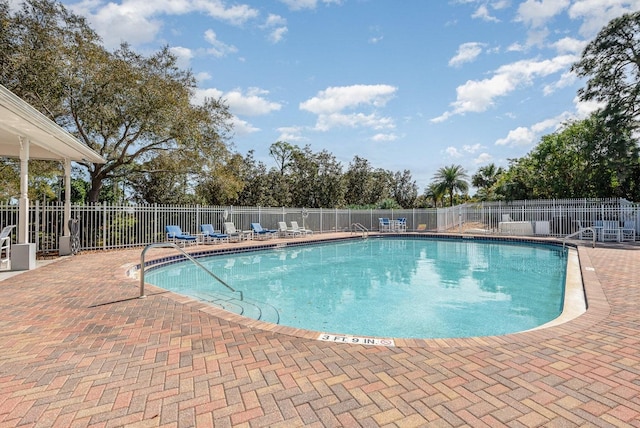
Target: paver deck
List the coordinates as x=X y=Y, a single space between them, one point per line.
x=78 y=348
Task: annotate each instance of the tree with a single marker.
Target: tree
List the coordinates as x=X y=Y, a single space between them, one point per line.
x=583 y=159
x=612 y=63
x=485 y=179
x=128 y=107
x=452 y=178
x=405 y=189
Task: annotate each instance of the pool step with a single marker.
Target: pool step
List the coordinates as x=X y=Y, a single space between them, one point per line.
x=246 y=307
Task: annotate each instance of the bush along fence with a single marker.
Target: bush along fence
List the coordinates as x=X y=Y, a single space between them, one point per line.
x=107 y=226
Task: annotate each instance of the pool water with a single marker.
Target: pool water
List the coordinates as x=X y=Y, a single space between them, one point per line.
x=390 y=287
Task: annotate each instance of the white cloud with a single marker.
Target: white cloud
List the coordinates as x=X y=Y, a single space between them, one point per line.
x=330 y=104
x=252 y=102
x=483 y=158
x=329 y=121
x=569 y=45
x=471 y=149
x=290 y=133
x=595 y=14
x=218 y=48
x=277 y=25
x=140 y=21
x=483 y=13
x=520 y=136
x=523 y=136
x=536 y=13
x=467 y=52
x=335 y=99
x=242 y=127
x=384 y=137
x=479 y=95
x=278 y=34
x=567 y=79
x=307 y=4
x=183 y=55
x=453 y=152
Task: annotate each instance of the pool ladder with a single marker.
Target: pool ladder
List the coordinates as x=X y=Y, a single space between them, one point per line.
x=241 y=306
x=593 y=233
x=357 y=227
x=185 y=254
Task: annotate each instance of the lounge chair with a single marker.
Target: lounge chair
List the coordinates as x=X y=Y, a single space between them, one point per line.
x=234 y=234
x=296 y=228
x=212 y=236
x=176 y=235
x=262 y=233
x=285 y=231
x=5 y=245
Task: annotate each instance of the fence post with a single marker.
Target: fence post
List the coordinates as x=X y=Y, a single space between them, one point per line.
x=36 y=216
x=104 y=225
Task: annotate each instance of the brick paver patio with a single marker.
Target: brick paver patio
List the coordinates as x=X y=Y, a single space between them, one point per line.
x=78 y=348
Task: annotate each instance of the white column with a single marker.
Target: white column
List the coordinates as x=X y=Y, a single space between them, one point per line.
x=67 y=196
x=23 y=204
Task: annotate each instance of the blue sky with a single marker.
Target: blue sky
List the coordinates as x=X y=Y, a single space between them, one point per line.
x=411 y=84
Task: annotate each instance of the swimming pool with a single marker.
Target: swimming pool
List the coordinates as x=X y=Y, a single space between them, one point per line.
x=386 y=287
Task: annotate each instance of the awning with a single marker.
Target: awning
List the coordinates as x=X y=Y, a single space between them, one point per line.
x=47 y=139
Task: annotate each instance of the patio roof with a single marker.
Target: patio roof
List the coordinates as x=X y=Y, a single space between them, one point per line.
x=47 y=139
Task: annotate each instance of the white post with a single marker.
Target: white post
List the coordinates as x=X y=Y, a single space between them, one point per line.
x=67 y=196
x=64 y=241
x=23 y=205
x=23 y=254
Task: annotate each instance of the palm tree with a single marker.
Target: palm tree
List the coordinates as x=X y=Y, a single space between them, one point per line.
x=434 y=192
x=452 y=178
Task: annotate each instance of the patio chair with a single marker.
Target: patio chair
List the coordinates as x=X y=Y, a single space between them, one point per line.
x=296 y=228
x=384 y=225
x=610 y=231
x=401 y=224
x=176 y=235
x=285 y=231
x=262 y=233
x=212 y=236
x=628 y=231
x=234 y=234
x=5 y=245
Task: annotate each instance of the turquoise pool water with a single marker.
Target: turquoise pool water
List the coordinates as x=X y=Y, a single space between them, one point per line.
x=387 y=287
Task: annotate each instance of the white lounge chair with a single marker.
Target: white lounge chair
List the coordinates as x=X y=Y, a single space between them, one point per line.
x=5 y=245
x=296 y=228
x=234 y=234
x=285 y=231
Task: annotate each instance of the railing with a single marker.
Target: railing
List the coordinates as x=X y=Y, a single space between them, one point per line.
x=185 y=254
x=104 y=226
x=358 y=227
x=593 y=238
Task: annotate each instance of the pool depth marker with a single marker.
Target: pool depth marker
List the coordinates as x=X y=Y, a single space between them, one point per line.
x=356 y=340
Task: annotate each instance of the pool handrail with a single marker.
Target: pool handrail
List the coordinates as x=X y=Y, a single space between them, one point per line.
x=184 y=253
x=359 y=227
x=593 y=238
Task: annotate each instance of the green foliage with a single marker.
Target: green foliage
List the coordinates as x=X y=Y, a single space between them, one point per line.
x=611 y=62
x=128 y=107
x=451 y=179
x=583 y=159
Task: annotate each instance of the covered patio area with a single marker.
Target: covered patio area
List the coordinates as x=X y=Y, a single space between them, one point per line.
x=26 y=134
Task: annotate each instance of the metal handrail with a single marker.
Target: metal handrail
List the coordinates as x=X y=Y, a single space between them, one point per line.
x=593 y=233
x=184 y=253
x=360 y=227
